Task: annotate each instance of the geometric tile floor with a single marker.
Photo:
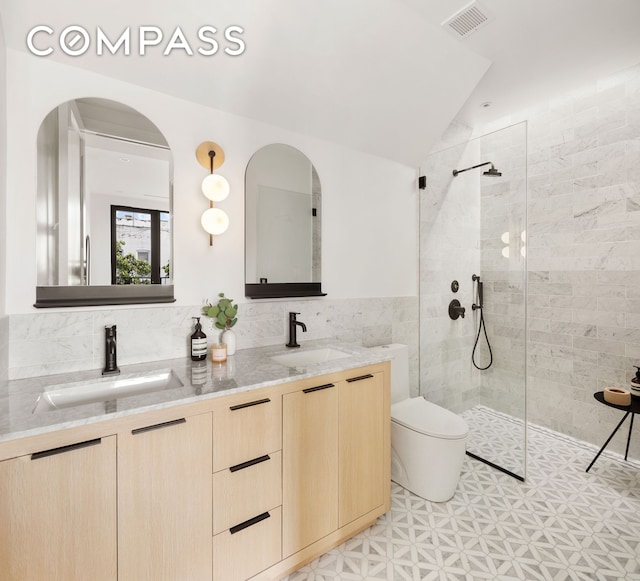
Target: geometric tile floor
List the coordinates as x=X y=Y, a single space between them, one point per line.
x=508 y=450
x=561 y=524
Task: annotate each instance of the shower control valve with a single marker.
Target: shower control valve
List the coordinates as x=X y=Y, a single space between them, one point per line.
x=456 y=309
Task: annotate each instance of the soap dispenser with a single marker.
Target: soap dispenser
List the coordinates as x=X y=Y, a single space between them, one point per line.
x=198 y=343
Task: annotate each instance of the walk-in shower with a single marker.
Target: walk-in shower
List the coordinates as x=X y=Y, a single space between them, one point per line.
x=472 y=229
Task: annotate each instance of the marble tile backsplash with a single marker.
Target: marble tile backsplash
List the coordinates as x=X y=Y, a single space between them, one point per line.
x=55 y=342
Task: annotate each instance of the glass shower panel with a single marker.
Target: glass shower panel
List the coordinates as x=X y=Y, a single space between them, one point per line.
x=474 y=223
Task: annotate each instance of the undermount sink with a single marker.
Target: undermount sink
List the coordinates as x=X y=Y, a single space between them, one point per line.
x=105 y=389
x=309 y=357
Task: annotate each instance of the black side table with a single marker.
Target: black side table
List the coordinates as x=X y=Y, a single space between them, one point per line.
x=633 y=409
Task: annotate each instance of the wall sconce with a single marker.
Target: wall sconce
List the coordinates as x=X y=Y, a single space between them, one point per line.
x=215 y=187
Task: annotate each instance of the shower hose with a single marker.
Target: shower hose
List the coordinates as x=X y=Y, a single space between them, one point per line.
x=481 y=327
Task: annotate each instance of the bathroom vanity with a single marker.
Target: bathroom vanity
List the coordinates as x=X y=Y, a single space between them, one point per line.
x=229 y=478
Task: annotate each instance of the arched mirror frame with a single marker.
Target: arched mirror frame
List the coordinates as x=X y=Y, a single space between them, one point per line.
x=279 y=188
x=56 y=295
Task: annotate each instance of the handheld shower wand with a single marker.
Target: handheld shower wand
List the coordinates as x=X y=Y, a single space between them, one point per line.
x=481 y=325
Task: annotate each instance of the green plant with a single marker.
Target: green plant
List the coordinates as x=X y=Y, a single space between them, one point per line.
x=130 y=270
x=223 y=314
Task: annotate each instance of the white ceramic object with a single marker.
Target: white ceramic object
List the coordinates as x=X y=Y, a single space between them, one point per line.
x=228 y=337
x=428 y=442
x=309 y=357
x=105 y=389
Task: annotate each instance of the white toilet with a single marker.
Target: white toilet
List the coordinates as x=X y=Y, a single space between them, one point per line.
x=428 y=442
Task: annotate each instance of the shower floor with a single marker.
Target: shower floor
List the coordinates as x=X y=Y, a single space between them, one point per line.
x=496 y=437
x=561 y=524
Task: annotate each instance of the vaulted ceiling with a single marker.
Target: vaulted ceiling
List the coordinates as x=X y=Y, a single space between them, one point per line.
x=381 y=76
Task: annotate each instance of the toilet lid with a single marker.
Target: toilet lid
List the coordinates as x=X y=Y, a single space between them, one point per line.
x=428 y=418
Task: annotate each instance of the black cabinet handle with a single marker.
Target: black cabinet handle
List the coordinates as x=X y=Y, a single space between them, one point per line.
x=241 y=406
x=158 y=426
x=63 y=449
x=248 y=523
x=250 y=463
x=360 y=378
x=318 y=388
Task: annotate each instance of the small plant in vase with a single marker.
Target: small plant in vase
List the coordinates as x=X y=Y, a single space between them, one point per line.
x=223 y=317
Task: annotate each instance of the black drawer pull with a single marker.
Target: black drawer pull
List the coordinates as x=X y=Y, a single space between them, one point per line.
x=249 y=523
x=63 y=449
x=249 y=463
x=241 y=406
x=360 y=378
x=318 y=388
x=158 y=426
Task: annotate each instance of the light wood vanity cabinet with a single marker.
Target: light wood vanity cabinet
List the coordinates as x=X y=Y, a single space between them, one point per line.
x=164 y=500
x=249 y=485
x=362 y=423
x=310 y=469
x=335 y=450
x=58 y=513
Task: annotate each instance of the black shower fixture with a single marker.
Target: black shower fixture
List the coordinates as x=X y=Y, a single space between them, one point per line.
x=492 y=171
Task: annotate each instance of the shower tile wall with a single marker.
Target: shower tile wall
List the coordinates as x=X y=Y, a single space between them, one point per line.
x=55 y=342
x=583 y=245
x=4 y=347
x=449 y=250
x=502 y=265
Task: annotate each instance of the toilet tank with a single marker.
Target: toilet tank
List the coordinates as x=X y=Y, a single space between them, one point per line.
x=399 y=370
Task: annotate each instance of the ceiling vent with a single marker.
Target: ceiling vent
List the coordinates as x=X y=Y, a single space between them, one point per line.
x=466 y=21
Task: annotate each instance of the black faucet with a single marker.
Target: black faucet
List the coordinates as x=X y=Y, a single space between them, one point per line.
x=292 y=330
x=110 y=352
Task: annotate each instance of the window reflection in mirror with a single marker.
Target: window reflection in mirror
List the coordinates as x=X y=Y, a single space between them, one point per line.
x=282 y=224
x=96 y=155
x=140 y=244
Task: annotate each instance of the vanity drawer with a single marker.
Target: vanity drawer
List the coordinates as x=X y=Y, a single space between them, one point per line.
x=242 y=491
x=246 y=428
x=243 y=553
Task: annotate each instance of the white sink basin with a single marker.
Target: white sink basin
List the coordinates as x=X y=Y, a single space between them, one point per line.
x=105 y=389
x=309 y=357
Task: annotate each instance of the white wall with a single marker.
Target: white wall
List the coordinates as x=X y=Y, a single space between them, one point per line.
x=369 y=203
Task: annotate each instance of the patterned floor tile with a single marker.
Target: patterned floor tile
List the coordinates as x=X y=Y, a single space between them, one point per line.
x=560 y=524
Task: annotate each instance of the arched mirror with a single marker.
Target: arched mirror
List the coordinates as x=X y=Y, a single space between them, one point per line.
x=283 y=203
x=103 y=212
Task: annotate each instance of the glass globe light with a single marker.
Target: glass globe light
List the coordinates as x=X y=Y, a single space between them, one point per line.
x=215 y=187
x=215 y=221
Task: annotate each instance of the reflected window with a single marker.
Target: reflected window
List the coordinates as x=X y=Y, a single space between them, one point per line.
x=140 y=245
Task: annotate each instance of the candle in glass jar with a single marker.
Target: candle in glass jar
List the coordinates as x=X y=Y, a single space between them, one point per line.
x=219 y=353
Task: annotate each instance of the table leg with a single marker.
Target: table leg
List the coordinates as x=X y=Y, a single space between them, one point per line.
x=609 y=440
x=626 y=452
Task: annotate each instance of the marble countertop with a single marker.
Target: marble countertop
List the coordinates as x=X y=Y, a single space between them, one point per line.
x=246 y=370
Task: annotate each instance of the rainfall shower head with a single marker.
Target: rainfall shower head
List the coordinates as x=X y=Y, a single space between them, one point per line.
x=492 y=171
